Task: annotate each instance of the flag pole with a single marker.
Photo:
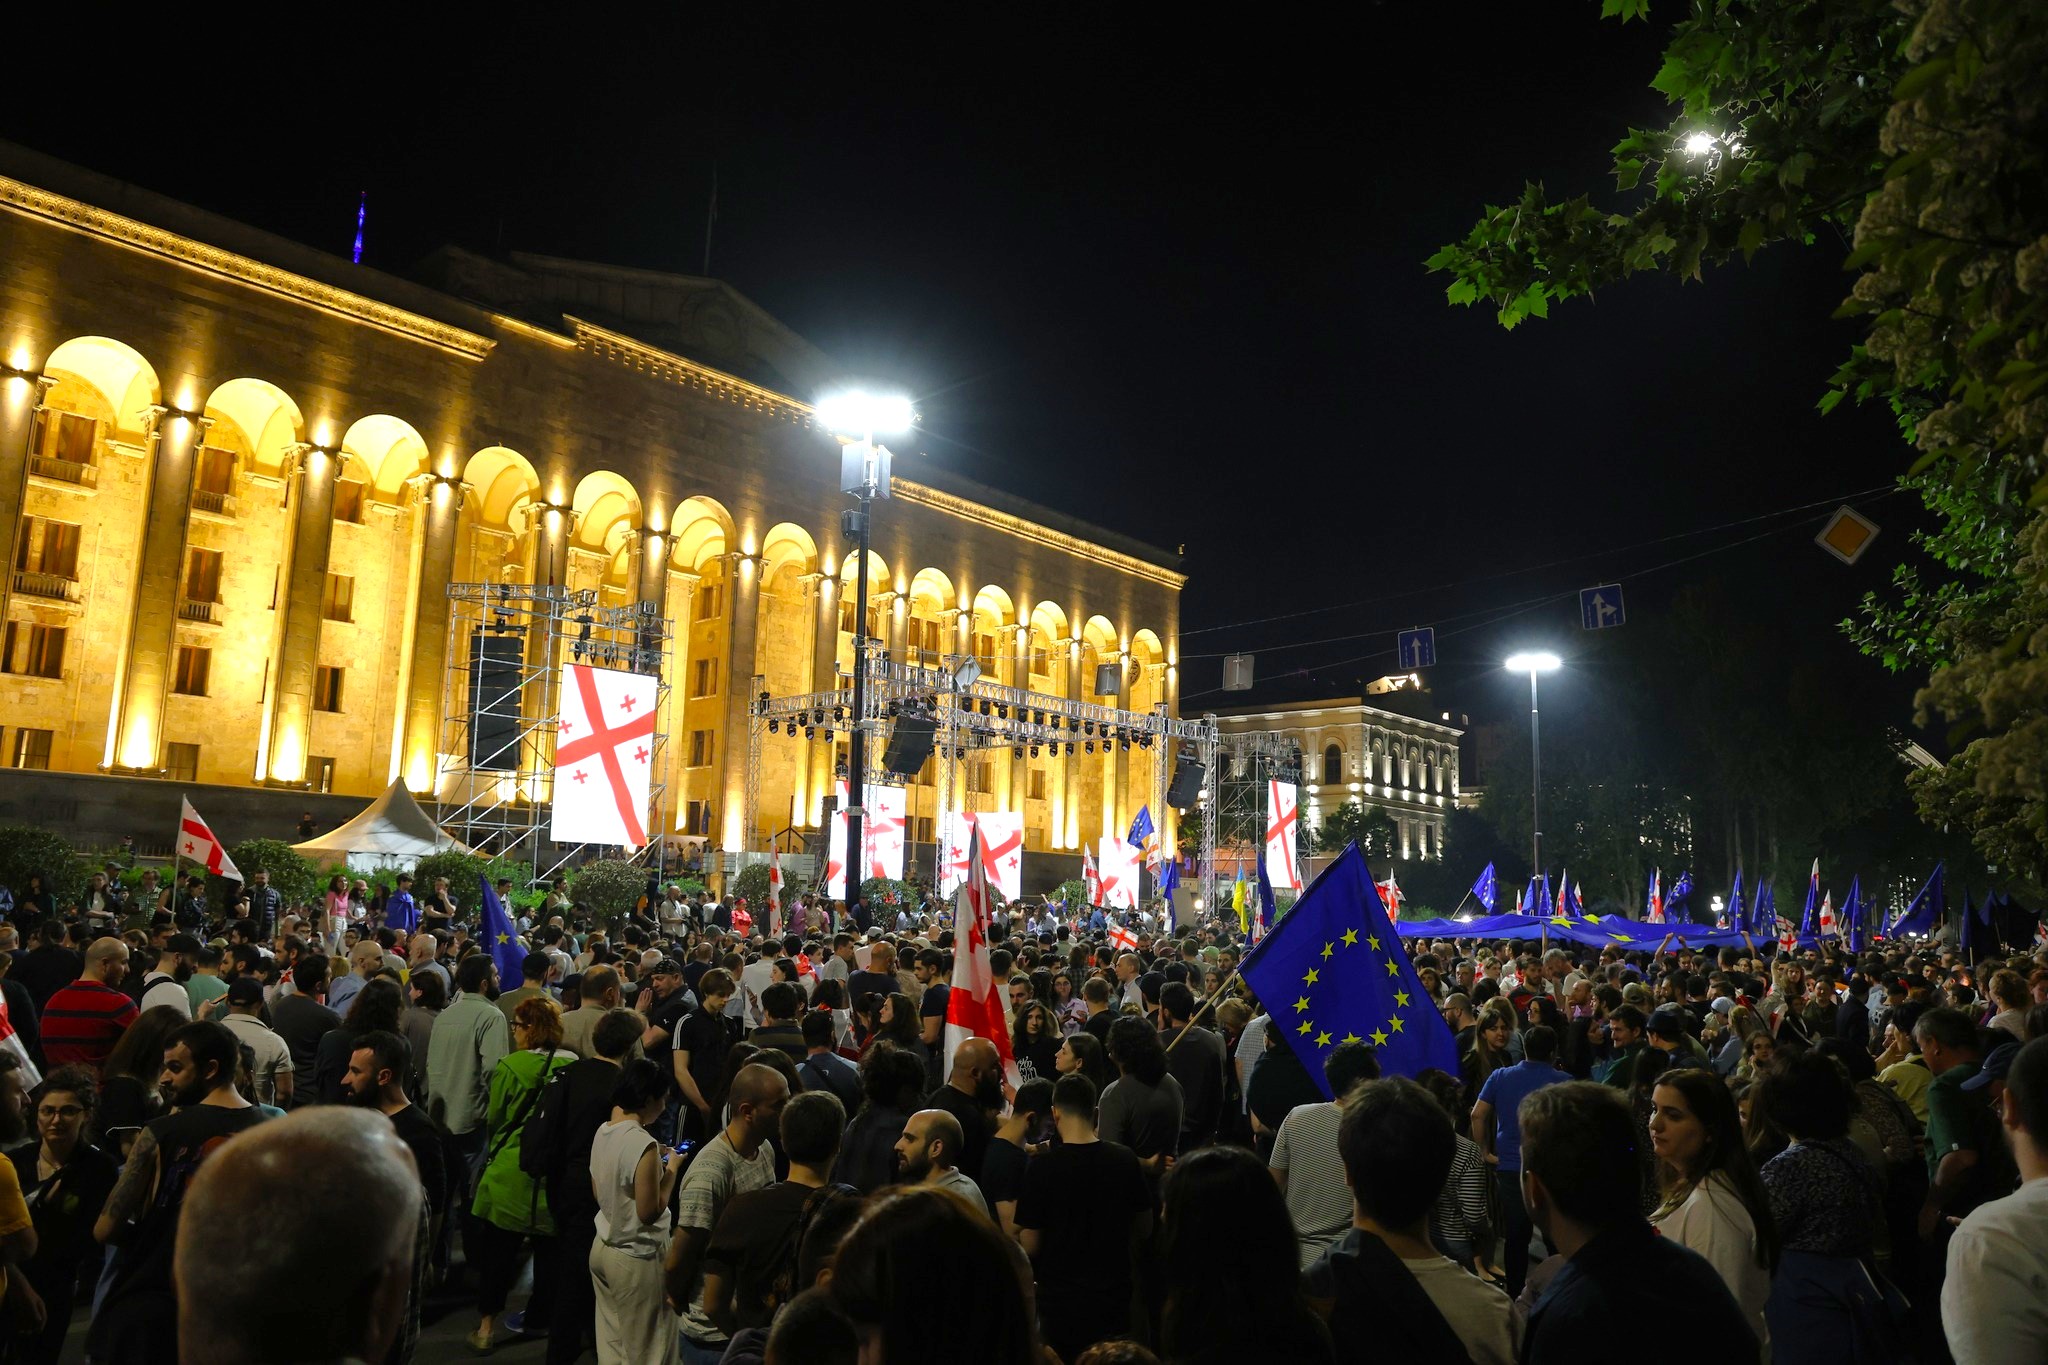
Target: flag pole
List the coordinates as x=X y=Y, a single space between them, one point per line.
x=1204 y=1006
x=1461 y=904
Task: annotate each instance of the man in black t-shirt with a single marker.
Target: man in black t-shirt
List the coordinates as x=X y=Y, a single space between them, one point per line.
x=750 y=1264
x=138 y=1319
x=972 y=1095
x=1084 y=1207
x=581 y=1094
x=698 y=1048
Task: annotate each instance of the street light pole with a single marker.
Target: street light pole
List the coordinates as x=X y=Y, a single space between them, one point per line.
x=857 y=744
x=1535 y=780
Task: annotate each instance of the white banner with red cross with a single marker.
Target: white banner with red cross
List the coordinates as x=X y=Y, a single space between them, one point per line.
x=1283 y=822
x=604 y=754
x=1116 y=867
x=1002 y=850
x=881 y=834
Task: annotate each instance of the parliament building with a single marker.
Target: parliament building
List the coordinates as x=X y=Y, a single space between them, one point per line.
x=239 y=476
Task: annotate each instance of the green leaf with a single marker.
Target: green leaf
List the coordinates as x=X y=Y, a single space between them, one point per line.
x=1750 y=238
x=1793 y=171
x=1910 y=85
x=1462 y=292
x=1671 y=78
x=1830 y=400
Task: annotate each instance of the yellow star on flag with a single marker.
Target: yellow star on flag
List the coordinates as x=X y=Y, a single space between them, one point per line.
x=1310 y=979
x=1328 y=948
x=1353 y=1038
x=1351 y=938
x=1301 y=1004
x=1306 y=1025
x=1395 y=1023
x=1379 y=1039
x=1322 y=1040
x=1393 y=969
x=504 y=938
x=1373 y=944
x=1401 y=998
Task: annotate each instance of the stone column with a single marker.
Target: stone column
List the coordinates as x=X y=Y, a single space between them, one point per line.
x=440 y=507
x=174 y=440
x=313 y=471
x=1119 y=800
x=21 y=400
x=824 y=677
x=552 y=524
x=1069 y=771
x=896 y=628
x=681 y=594
x=1019 y=677
x=743 y=598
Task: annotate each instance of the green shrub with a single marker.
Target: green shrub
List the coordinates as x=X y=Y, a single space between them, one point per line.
x=24 y=850
x=296 y=879
x=752 y=883
x=609 y=888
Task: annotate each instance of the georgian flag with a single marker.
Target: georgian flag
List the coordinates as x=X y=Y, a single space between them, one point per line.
x=1002 y=850
x=9 y=1039
x=1283 y=820
x=881 y=834
x=1122 y=939
x=1116 y=871
x=974 y=1007
x=1091 y=880
x=604 y=754
x=197 y=842
x=774 y=895
x=1827 y=915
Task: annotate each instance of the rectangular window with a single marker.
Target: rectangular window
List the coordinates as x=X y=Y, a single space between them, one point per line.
x=709 y=602
x=47 y=547
x=181 y=762
x=985 y=647
x=1041 y=660
x=1036 y=787
x=202 y=575
x=69 y=437
x=348 y=501
x=327 y=688
x=189 y=677
x=31 y=748
x=700 y=748
x=921 y=829
x=338 y=598
x=34 y=651
x=215 y=473
x=697 y=818
x=704 y=678
x=321 y=772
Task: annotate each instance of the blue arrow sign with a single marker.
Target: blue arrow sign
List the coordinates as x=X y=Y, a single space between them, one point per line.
x=1600 y=608
x=1417 y=648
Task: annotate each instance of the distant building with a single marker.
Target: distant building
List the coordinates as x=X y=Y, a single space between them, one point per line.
x=1402 y=764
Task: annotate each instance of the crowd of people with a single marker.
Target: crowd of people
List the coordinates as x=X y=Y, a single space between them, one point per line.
x=279 y=1132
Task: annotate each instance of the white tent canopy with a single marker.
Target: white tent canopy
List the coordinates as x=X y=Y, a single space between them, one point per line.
x=392 y=832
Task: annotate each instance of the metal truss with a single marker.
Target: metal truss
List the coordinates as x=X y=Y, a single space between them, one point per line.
x=497 y=801
x=1237 y=790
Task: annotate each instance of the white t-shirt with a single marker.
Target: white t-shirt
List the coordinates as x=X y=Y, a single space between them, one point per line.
x=1714 y=1222
x=1484 y=1318
x=1994 y=1303
x=165 y=989
x=614 y=1158
x=756 y=977
x=271 y=1056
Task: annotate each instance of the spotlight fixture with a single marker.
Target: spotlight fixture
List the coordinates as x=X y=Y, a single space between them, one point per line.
x=1034 y=751
x=1070 y=748
x=1017 y=750
x=839 y=713
x=1003 y=710
x=1127 y=741
x=809 y=733
x=1088 y=728
x=1088 y=747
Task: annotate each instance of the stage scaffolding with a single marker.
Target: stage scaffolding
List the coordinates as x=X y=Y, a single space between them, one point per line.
x=1250 y=760
x=501 y=708
x=970 y=715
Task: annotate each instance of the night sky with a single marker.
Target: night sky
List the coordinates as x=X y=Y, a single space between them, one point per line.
x=1158 y=271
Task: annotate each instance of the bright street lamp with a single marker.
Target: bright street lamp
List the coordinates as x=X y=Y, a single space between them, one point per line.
x=855 y=415
x=1535 y=664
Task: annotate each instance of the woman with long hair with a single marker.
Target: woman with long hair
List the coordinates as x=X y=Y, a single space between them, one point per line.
x=429 y=998
x=1828 y=1301
x=892 y=1089
x=1489 y=1050
x=1067 y=1006
x=378 y=1006
x=129 y=1093
x=1711 y=1198
x=1759 y=1055
x=1225 y=1197
x=334 y=909
x=1143 y=1106
x=897 y=1022
x=1035 y=1041
x=511 y=1207
x=66 y=1180
x=1081 y=1052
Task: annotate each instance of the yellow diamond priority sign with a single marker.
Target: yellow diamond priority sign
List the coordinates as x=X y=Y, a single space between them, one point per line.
x=1847 y=535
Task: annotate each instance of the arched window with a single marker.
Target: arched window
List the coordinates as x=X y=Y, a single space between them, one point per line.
x=1333 y=766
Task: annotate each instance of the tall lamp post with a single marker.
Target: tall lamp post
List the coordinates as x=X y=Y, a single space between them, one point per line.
x=856 y=417
x=1535 y=665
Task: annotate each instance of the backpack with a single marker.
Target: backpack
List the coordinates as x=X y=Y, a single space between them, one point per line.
x=546 y=1137
x=789 y=1251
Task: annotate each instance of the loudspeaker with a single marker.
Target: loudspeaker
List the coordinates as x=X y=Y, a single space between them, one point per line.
x=494 y=662
x=1187 y=782
x=1109 y=679
x=910 y=744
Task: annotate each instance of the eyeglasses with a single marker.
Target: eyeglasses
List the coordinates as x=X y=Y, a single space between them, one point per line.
x=60 y=1111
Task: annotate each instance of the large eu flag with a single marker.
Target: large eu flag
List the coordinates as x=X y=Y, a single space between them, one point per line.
x=501 y=938
x=1333 y=971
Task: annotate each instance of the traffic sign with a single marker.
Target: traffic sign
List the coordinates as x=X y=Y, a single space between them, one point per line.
x=1600 y=607
x=1847 y=534
x=1417 y=648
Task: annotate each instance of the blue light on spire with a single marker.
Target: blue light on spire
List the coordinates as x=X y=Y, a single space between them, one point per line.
x=362 y=212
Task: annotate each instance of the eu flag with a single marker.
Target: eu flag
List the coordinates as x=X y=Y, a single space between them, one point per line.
x=502 y=939
x=1925 y=914
x=1486 y=890
x=1333 y=971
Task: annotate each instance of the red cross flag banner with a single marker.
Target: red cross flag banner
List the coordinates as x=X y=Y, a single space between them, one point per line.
x=881 y=832
x=197 y=842
x=1116 y=867
x=1122 y=939
x=604 y=753
x=1091 y=882
x=1002 y=850
x=974 y=1007
x=1283 y=820
x=9 y=1039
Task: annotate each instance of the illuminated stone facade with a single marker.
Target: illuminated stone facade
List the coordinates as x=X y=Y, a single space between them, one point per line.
x=237 y=476
x=1403 y=765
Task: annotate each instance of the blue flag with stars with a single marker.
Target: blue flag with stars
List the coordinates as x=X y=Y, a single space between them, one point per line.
x=1486 y=890
x=1334 y=971
x=502 y=938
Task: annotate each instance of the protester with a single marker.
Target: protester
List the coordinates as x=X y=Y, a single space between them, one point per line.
x=1992 y=1304
x=987 y=1317
x=83 y=1021
x=377 y=1069
x=66 y=1180
x=750 y=1263
x=634 y=1177
x=580 y=1099
x=736 y=1160
x=1496 y=1127
x=1219 y=1197
x=928 y=1153
x=1713 y=1201
x=1142 y=1109
x=1306 y=1161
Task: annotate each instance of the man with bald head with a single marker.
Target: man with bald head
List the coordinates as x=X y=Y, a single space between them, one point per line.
x=732 y=1163
x=341 y=1169
x=365 y=960
x=83 y=1021
x=973 y=1095
x=928 y=1153
x=602 y=993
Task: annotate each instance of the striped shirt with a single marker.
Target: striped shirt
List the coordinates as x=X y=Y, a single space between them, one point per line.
x=83 y=1021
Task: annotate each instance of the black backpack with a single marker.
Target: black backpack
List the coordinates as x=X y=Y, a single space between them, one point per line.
x=543 y=1124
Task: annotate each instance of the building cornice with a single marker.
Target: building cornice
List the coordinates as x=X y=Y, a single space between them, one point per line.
x=923 y=495
x=637 y=354
x=1351 y=710
x=76 y=216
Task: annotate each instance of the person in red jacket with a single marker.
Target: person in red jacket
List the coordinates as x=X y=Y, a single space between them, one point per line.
x=83 y=1021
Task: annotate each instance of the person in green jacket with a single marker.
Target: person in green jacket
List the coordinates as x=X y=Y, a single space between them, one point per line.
x=511 y=1207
